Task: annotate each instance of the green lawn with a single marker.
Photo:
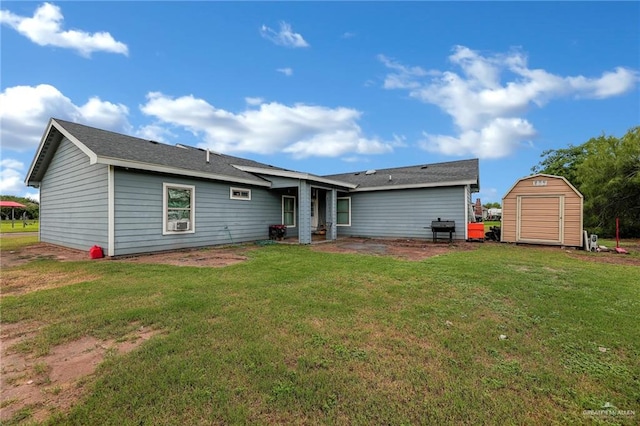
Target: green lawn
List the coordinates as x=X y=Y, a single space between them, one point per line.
x=489 y=223
x=295 y=336
x=19 y=226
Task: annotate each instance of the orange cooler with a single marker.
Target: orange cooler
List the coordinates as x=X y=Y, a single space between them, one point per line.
x=475 y=231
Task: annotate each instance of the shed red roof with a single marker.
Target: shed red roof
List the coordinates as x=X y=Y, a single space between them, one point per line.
x=11 y=204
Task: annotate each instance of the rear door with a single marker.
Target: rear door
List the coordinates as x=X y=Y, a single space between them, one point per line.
x=540 y=219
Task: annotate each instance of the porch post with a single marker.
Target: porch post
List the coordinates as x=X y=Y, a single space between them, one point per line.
x=332 y=214
x=304 y=212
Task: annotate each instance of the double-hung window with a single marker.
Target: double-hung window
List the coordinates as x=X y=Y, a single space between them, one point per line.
x=289 y=211
x=179 y=208
x=344 y=211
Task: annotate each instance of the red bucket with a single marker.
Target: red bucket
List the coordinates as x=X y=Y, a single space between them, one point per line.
x=95 y=252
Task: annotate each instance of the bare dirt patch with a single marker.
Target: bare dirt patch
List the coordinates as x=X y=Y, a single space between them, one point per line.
x=40 y=251
x=56 y=381
x=17 y=282
x=408 y=249
x=212 y=257
x=611 y=257
x=202 y=257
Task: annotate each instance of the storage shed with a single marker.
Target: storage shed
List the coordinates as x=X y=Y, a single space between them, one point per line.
x=542 y=209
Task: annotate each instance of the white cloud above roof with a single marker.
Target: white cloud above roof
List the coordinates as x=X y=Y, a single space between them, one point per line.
x=285 y=37
x=300 y=130
x=11 y=176
x=25 y=110
x=45 y=29
x=286 y=71
x=488 y=96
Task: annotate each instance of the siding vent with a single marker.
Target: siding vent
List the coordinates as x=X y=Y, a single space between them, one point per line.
x=370 y=172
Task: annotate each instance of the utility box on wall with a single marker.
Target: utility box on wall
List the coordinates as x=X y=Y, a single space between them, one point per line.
x=542 y=209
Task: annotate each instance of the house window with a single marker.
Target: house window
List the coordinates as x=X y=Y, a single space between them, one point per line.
x=289 y=210
x=239 y=194
x=179 y=208
x=344 y=211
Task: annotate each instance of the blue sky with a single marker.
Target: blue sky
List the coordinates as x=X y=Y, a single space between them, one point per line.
x=324 y=87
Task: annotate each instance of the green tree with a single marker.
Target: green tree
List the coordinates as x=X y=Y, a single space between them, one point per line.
x=563 y=162
x=606 y=170
x=610 y=182
x=494 y=205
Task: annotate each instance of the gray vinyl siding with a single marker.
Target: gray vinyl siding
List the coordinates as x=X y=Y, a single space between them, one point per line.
x=73 y=200
x=404 y=213
x=218 y=219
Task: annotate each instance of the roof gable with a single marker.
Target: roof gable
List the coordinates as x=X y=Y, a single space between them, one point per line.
x=538 y=175
x=105 y=147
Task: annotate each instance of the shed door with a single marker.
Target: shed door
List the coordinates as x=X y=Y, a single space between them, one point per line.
x=540 y=219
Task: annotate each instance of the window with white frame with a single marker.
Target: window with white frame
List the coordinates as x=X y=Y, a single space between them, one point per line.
x=289 y=211
x=239 y=193
x=179 y=208
x=344 y=211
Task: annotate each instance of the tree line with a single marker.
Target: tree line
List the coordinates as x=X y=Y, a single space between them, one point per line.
x=606 y=170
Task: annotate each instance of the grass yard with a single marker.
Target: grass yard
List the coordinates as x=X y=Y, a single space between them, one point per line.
x=489 y=223
x=19 y=226
x=295 y=336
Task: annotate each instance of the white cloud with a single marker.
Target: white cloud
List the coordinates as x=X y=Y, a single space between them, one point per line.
x=300 y=130
x=488 y=111
x=498 y=138
x=348 y=34
x=284 y=37
x=286 y=71
x=25 y=110
x=253 y=101
x=155 y=132
x=45 y=29
x=403 y=77
x=11 y=177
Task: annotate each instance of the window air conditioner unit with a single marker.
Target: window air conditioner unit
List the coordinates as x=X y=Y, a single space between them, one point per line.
x=178 y=226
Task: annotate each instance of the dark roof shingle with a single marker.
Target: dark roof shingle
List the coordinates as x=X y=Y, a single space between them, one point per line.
x=424 y=174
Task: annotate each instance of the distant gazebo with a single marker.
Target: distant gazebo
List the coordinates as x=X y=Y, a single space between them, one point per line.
x=13 y=205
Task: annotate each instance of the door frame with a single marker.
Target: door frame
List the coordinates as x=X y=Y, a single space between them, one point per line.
x=560 y=218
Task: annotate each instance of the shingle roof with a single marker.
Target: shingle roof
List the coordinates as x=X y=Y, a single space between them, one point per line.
x=437 y=174
x=122 y=150
x=115 y=146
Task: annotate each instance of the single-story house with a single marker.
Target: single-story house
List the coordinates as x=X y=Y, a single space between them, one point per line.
x=130 y=195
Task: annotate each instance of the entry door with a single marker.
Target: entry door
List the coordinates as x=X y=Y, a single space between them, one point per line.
x=540 y=219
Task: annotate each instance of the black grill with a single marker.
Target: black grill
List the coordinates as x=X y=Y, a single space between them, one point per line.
x=443 y=226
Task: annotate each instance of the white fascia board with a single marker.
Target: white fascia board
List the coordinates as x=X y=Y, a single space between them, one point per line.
x=53 y=123
x=294 y=175
x=177 y=171
x=416 y=185
x=92 y=155
x=45 y=135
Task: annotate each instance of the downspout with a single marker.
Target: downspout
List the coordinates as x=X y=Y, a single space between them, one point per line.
x=467 y=204
x=111 y=210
